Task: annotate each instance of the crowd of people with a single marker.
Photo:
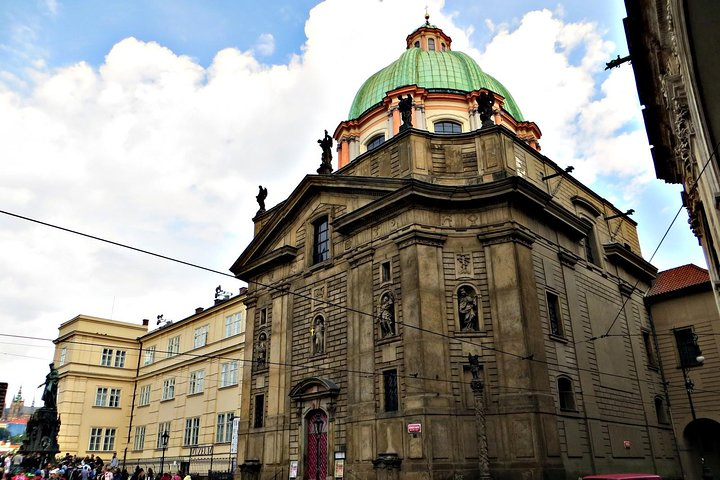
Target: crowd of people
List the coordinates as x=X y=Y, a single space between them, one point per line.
x=32 y=467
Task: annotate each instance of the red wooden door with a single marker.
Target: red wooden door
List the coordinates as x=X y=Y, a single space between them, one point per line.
x=316 y=446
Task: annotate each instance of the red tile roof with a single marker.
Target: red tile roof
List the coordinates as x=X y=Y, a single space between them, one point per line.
x=678 y=278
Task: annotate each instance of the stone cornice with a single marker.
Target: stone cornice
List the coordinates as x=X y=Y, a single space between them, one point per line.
x=360 y=255
x=506 y=232
x=279 y=256
x=633 y=263
x=419 y=237
x=567 y=258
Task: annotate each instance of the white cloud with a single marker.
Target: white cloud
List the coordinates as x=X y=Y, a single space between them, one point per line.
x=52 y=6
x=265 y=44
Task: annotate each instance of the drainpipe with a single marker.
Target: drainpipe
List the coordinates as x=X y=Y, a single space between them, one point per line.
x=132 y=407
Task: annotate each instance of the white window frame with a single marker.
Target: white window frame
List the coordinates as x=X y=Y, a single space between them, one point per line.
x=120 y=359
x=149 y=355
x=224 y=428
x=102 y=437
x=200 y=336
x=139 y=441
x=191 y=435
x=107 y=357
x=197 y=382
x=144 y=395
x=101 y=395
x=162 y=428
x=168 y=391
x=114 y=398
x=228 y=374
x=234 y=324
x=173 y=346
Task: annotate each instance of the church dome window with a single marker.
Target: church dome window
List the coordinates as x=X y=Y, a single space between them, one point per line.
x=416 y=44
x=431 y=44
x=445 y=127
x=375 y=141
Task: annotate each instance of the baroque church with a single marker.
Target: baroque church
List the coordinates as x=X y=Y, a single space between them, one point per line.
x=449 y=303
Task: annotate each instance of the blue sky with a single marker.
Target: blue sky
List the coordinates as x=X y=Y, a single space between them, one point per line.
x=161 y=141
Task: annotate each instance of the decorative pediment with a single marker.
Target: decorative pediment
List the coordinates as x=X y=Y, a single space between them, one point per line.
x=586 y=205
x=631 y=262
x=314 y=387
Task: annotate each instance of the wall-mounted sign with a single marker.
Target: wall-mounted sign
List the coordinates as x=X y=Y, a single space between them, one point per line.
x=293 y=468
x=414 y=428
x=339 y=468
x=627 y=444
x=233 y=443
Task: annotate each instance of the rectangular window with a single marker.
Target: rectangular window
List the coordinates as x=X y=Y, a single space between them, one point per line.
x=168 y=391
x=192 y=431
x=163 y=427
x=114 y=398
x=390 y=390
x=553 y=312
x=144 y=395
x=173 y=346
x=223 y=433
x=107 y=355
x=321 y=241
x=197 y=379
x=139 y=442
x=201 y=336
x=63 y=356
x=101 y=397
x=591 y=248
x=649 y=349
x=385 y=272
x=259 y=414
x=149 y=355
x=120 y=359
x=263 y=316
x=228 y=374
x=688 y=349
x=234 y=324
x=102 y=439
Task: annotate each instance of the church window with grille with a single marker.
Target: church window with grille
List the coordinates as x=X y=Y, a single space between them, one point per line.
x=446 y=127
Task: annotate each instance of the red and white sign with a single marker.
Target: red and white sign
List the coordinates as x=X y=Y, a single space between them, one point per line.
x=414 y=428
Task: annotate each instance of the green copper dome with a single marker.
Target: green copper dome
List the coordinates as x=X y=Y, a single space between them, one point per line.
x=445 y=70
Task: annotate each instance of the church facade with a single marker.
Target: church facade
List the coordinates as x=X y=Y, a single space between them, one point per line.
x=446 y=236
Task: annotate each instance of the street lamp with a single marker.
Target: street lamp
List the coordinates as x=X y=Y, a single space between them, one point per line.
x=318 y=432
x=164 y=439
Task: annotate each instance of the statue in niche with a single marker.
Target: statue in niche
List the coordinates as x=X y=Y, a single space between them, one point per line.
x=387 y=315
x=261 y=196
x=405 y=108
x=474 y=361
x=318 y=335
x=485 y=102
x=261 y=350
x=326 y=144
x=467 y=309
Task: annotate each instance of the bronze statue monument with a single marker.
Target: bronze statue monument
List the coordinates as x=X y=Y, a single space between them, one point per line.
x=326 y=144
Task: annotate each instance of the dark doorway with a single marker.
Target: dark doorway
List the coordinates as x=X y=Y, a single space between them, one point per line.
x=316 y=445
x=702 y=437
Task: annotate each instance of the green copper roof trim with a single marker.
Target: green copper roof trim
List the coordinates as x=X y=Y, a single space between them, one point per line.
x=432 y=70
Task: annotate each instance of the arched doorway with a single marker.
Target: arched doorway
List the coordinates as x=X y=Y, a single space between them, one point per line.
x=316 y=463
x=702 y=437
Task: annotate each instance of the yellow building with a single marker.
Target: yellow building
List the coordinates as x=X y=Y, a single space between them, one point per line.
x=122 y=387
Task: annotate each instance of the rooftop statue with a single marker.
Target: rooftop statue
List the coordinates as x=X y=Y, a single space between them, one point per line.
x=405 y=108
x=261 y=196
x=326 y=144
x=485 y=101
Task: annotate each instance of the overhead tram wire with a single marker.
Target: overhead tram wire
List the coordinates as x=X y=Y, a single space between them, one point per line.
x=667 y=231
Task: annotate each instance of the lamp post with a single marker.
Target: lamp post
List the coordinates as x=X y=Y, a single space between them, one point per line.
x=318 y=432
x=164 y=439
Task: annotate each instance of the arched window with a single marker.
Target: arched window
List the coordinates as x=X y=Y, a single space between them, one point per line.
x=660 y=411
x=416 y=44
x=317 y=332
x=442 y=46
x=566 y=395
x=387 y=315
x=447 y=127
x=375 y=141
x=431 y=44
x=467 y=308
